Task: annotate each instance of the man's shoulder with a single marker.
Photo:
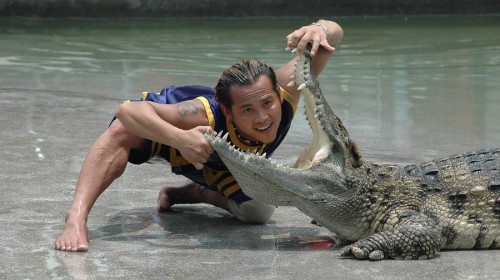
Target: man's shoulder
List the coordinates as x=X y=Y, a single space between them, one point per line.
x=289 y=100
x=194 y=90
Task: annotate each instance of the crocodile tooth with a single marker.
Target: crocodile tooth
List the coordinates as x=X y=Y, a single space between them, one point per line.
x=294 y=50
x=292 y=83
x=287 y=48
x=292 y=76
x=225 y=136
x=302 y=86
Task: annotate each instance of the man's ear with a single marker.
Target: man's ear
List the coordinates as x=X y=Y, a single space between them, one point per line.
x=227 y=113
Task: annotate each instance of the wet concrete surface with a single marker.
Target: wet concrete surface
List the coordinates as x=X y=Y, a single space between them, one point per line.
x=55 y=102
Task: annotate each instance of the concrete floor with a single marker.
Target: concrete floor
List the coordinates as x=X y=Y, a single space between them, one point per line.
x=40 y=162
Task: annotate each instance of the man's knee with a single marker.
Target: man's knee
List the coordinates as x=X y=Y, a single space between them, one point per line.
x=251 y=211
x=117 y=129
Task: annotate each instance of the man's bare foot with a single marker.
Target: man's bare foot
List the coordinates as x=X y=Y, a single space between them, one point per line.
x=189 y=194
x=74 y=238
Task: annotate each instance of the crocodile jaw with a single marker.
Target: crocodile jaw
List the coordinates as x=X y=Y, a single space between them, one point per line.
x=317 y=183
x=320 y=146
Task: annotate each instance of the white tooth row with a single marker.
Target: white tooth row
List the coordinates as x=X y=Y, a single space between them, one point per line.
x=308 y=82
x=258 y=159
x=307 y=76
x=221 y=139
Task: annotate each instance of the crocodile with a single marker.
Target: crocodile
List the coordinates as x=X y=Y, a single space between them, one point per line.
x=383 y=211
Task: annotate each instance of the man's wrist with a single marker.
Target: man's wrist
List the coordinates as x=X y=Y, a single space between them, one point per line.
x=323 y=27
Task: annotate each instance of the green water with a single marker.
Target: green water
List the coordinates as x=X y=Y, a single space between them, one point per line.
x=406 y=88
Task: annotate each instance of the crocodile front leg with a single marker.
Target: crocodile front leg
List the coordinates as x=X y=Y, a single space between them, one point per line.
x=416 y=237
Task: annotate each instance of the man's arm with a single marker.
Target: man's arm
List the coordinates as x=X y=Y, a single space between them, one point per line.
x=178 y=125
x=324 y=35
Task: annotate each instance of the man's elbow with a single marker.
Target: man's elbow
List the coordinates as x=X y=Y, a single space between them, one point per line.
x=123 y=109
x=337 y=35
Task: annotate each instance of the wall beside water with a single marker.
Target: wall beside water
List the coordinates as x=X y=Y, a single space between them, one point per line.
x=242 y=8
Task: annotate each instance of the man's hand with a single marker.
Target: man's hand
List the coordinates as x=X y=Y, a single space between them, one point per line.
x=314 y=34
x=194 y=147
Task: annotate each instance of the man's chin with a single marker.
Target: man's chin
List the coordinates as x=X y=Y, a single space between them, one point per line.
x=267 y=139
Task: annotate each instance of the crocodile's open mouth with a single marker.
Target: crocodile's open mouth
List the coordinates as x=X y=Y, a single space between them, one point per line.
x=319 y=171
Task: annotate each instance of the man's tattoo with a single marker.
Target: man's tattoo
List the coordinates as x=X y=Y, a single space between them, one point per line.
x=184 y=108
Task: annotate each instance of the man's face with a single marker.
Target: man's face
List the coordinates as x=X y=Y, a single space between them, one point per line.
x=256 y=110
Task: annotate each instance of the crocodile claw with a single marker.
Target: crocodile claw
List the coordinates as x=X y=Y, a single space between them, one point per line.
x=362 y=253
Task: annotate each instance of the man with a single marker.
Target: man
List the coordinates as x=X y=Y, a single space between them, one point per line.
x=251 y=102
